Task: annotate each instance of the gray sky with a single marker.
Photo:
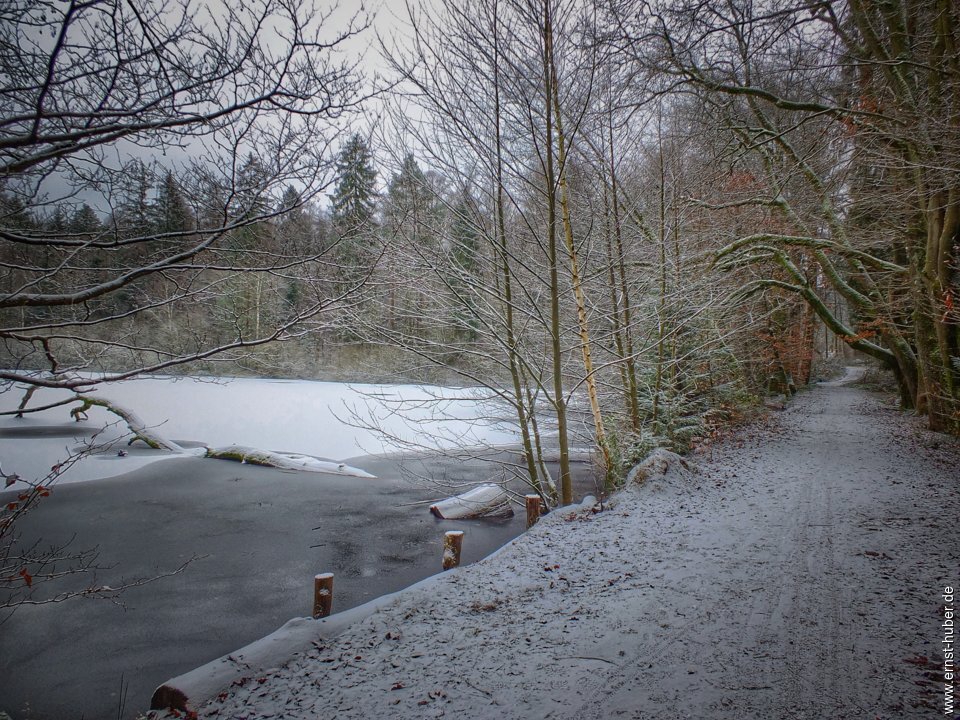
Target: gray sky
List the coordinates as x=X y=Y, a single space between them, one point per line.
x=388 y=20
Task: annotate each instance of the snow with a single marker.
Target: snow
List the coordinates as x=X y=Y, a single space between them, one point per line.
x=318 y=420
x=796 y=574
x=485 y=500
x=657 y=464
x=285 y=461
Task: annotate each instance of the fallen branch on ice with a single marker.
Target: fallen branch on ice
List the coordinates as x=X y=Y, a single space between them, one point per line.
x=284 y=461
x=133 y=421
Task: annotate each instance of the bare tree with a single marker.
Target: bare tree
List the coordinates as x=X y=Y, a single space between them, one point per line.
x=223 y=109
x=504 y=99
x=849 y=111
x=156 y=159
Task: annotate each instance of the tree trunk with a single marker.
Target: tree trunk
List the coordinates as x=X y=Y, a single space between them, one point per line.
x=507 y=287
x=575 y=277
x=559 y=401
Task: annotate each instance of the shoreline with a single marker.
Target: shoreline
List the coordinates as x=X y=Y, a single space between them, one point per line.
x=259 y=535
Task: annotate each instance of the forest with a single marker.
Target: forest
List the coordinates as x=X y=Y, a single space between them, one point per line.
x=628 y=218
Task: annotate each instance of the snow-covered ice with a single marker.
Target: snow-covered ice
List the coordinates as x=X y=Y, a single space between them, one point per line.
x=323 y=420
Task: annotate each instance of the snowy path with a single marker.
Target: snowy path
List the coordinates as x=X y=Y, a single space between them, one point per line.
x=792 y=577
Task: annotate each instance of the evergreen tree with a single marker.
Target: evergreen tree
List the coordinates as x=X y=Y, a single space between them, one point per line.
x=132 y=215
x=353 y=205
x=84 y=221
x=14 y=213
x=250 y=202
x=296 y=226
x=407 y=192
x=169 y=213
x=413 y=211
x=57 y=222
x=354 y=199
x=466 y=235
x=297 y=235
x=409 y=219
x=291 y=201
x=252 y=179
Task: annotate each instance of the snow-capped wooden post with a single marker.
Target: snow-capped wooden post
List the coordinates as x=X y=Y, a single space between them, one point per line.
x=452 y=544
x=533 y=509
x=322 y=595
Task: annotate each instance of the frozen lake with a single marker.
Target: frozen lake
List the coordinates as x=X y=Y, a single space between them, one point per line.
x=256 y=535
x=322 y=419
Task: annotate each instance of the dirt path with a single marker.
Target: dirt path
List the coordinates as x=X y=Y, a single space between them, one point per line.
x=797 y=575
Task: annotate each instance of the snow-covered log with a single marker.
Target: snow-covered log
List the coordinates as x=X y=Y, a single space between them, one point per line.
x=133 y=421
x=284 y=461
x=482 y=501
x=657 y=463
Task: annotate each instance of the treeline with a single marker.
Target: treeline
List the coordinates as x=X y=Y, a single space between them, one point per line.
x=258 y=270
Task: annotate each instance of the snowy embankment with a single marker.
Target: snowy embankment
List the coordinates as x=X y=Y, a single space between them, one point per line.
x=797 y=574
x=302 y=424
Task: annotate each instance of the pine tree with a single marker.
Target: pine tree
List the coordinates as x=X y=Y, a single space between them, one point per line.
x=411 y=218
x=353 y=206
x=407 y=192
x=466 y=233
x=297 y=235
x=169 y=213
x=84 y=221
x=132 y=216
x=250 y=203
x=294 y=224
x=465 y=271
x=14 y=213
x=354 y=199
x=251 y=181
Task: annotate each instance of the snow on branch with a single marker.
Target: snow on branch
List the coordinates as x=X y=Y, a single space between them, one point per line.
x=133 y=421
x=812 y=243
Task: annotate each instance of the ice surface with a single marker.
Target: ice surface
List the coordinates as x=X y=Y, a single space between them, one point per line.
x=320 y=419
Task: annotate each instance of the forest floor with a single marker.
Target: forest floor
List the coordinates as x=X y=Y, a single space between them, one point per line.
x=798 y=573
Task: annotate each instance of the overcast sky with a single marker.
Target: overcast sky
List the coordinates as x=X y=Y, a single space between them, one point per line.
x=388 y=18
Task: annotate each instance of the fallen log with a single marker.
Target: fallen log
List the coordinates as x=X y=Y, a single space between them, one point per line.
x=656 y=464
x=284 y=461
x=483 y=501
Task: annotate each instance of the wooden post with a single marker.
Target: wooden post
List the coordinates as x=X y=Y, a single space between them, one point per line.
x=533 y=510
x=452 y=544
x=322 y=595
